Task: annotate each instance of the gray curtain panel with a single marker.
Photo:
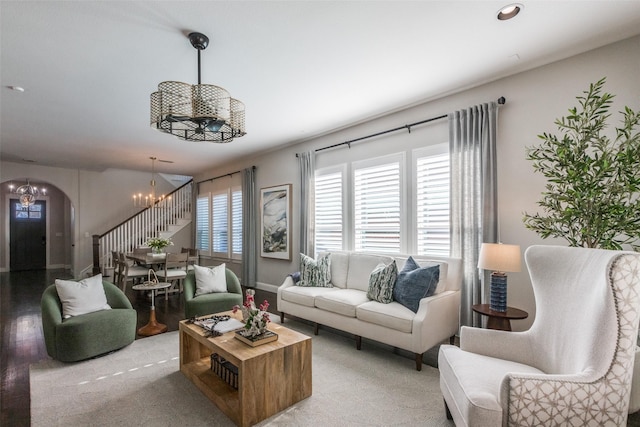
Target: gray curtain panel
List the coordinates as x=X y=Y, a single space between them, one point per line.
x=474 y=201
x=307 y=166
x=249 y=236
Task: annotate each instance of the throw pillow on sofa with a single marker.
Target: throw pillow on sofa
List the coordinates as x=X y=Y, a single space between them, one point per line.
x=81 y=297
x=381 y=282
x=315 y=272
x=210 y=279
x=414 y=283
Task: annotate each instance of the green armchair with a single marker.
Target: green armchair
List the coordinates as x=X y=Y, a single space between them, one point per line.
x=88 y=335
x=214 y=302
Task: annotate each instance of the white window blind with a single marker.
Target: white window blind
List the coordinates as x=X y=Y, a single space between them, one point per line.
x=219 y=223
x=236 y=222
x=432 y=203
x=202 y=224
x=377 y=208
x=328 y=211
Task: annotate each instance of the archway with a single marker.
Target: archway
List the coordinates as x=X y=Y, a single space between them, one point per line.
x=57 y=213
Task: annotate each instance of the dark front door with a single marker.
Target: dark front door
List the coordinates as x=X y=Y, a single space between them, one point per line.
x=28 y=241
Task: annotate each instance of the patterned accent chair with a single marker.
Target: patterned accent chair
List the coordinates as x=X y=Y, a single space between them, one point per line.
x=573 y=367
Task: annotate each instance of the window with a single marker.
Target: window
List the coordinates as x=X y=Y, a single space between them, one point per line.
x=328 y=210
x=220 y=224
x=432 y=203
x=202 y=224
x=376 y=193
x=236 y=222
x=219 y=218
x=380 y=220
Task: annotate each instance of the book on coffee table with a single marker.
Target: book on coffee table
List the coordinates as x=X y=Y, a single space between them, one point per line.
x=257 y=340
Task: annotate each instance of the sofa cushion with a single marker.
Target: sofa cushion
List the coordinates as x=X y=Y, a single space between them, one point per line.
x=393 y=315
x=81 y=297
x=381 y=282
x=304 y=295
x=341 y=301
x=360 y=267
x=315 y=272
x=415 y=283
x=210 y=279
x=339 y=268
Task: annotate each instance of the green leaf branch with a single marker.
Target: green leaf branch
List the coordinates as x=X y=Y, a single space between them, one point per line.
x=593 y=182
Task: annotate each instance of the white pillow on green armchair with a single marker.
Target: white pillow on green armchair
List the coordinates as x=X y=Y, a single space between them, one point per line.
x=81 y=297
x=210 y=279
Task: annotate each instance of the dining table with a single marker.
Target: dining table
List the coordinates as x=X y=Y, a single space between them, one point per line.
x=150 y=260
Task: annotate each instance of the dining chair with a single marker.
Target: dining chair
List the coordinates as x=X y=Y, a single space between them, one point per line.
x=174 y=271
x=193 y=257
x=115 y=264
x=129 y=271
x=141 y=250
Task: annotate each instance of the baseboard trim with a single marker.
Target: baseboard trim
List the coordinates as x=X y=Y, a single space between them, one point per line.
x=267 y=287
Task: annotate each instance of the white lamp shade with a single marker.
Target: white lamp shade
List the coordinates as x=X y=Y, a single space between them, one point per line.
x=499 y=257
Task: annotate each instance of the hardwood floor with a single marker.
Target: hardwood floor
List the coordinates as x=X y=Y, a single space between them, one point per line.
x=22 y=342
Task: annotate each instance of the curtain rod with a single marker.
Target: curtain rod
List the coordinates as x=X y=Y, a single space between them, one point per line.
x=502 y=100
x=222 y=176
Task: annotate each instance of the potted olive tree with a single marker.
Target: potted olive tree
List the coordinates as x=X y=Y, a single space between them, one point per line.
x=592 y=194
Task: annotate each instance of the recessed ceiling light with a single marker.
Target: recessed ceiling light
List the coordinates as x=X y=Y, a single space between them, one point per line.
x=509 y=11
x=16 y=88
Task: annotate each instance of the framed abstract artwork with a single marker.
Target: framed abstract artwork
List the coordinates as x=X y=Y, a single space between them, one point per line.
x=275 y=224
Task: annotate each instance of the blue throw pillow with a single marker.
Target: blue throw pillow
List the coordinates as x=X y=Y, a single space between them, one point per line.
x=415 y=283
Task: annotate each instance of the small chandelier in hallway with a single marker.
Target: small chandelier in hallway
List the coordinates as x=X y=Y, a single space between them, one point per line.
x=27 y=193
x=199 y=112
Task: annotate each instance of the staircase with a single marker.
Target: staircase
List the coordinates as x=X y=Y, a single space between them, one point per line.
x=165 y=218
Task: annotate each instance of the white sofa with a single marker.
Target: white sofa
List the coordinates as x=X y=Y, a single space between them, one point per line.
x=345 y=306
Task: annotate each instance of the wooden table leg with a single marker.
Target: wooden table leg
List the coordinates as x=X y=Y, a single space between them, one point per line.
x=498 y=323
x=152 y=327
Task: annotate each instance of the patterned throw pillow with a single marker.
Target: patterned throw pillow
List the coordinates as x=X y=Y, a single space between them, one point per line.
x=415 y=283
x=381 y=282
x=315 y=273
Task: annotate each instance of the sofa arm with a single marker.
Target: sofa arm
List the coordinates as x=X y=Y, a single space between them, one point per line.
x=189 y=286
x=233 y=284
x=115 y=297
x=437 y=319
x=513 y=346
x=51 y=311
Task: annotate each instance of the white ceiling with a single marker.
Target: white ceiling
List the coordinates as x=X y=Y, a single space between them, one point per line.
x=302 y=68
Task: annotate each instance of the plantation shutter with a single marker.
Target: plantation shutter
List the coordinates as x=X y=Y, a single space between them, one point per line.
x=202 y=224
x=328 y=214
x=220 y=223
x=432 y=216
x=236 y=222
x=377 y=208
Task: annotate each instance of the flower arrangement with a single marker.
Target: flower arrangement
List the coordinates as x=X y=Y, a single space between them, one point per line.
x=159 y=243
x=255 y=319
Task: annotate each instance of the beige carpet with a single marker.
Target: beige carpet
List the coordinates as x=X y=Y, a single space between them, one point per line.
x=142 y=385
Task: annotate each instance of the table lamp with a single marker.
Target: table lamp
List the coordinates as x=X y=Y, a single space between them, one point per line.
x=501 y=259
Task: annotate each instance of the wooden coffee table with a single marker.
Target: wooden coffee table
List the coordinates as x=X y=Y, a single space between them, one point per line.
x=271 y=377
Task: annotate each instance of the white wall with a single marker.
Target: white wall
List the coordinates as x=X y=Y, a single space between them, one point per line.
x=99 y=199
x=534 y=100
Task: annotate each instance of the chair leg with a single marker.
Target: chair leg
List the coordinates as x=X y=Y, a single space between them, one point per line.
x=418 y=357
x=447 y=411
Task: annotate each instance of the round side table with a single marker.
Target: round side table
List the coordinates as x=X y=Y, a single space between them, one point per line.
x=498 y=319
x=153 y=327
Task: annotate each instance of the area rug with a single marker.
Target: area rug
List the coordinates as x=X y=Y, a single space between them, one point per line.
x=142 y=385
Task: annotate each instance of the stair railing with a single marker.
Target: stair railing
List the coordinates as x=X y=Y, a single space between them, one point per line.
x=138 y=228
